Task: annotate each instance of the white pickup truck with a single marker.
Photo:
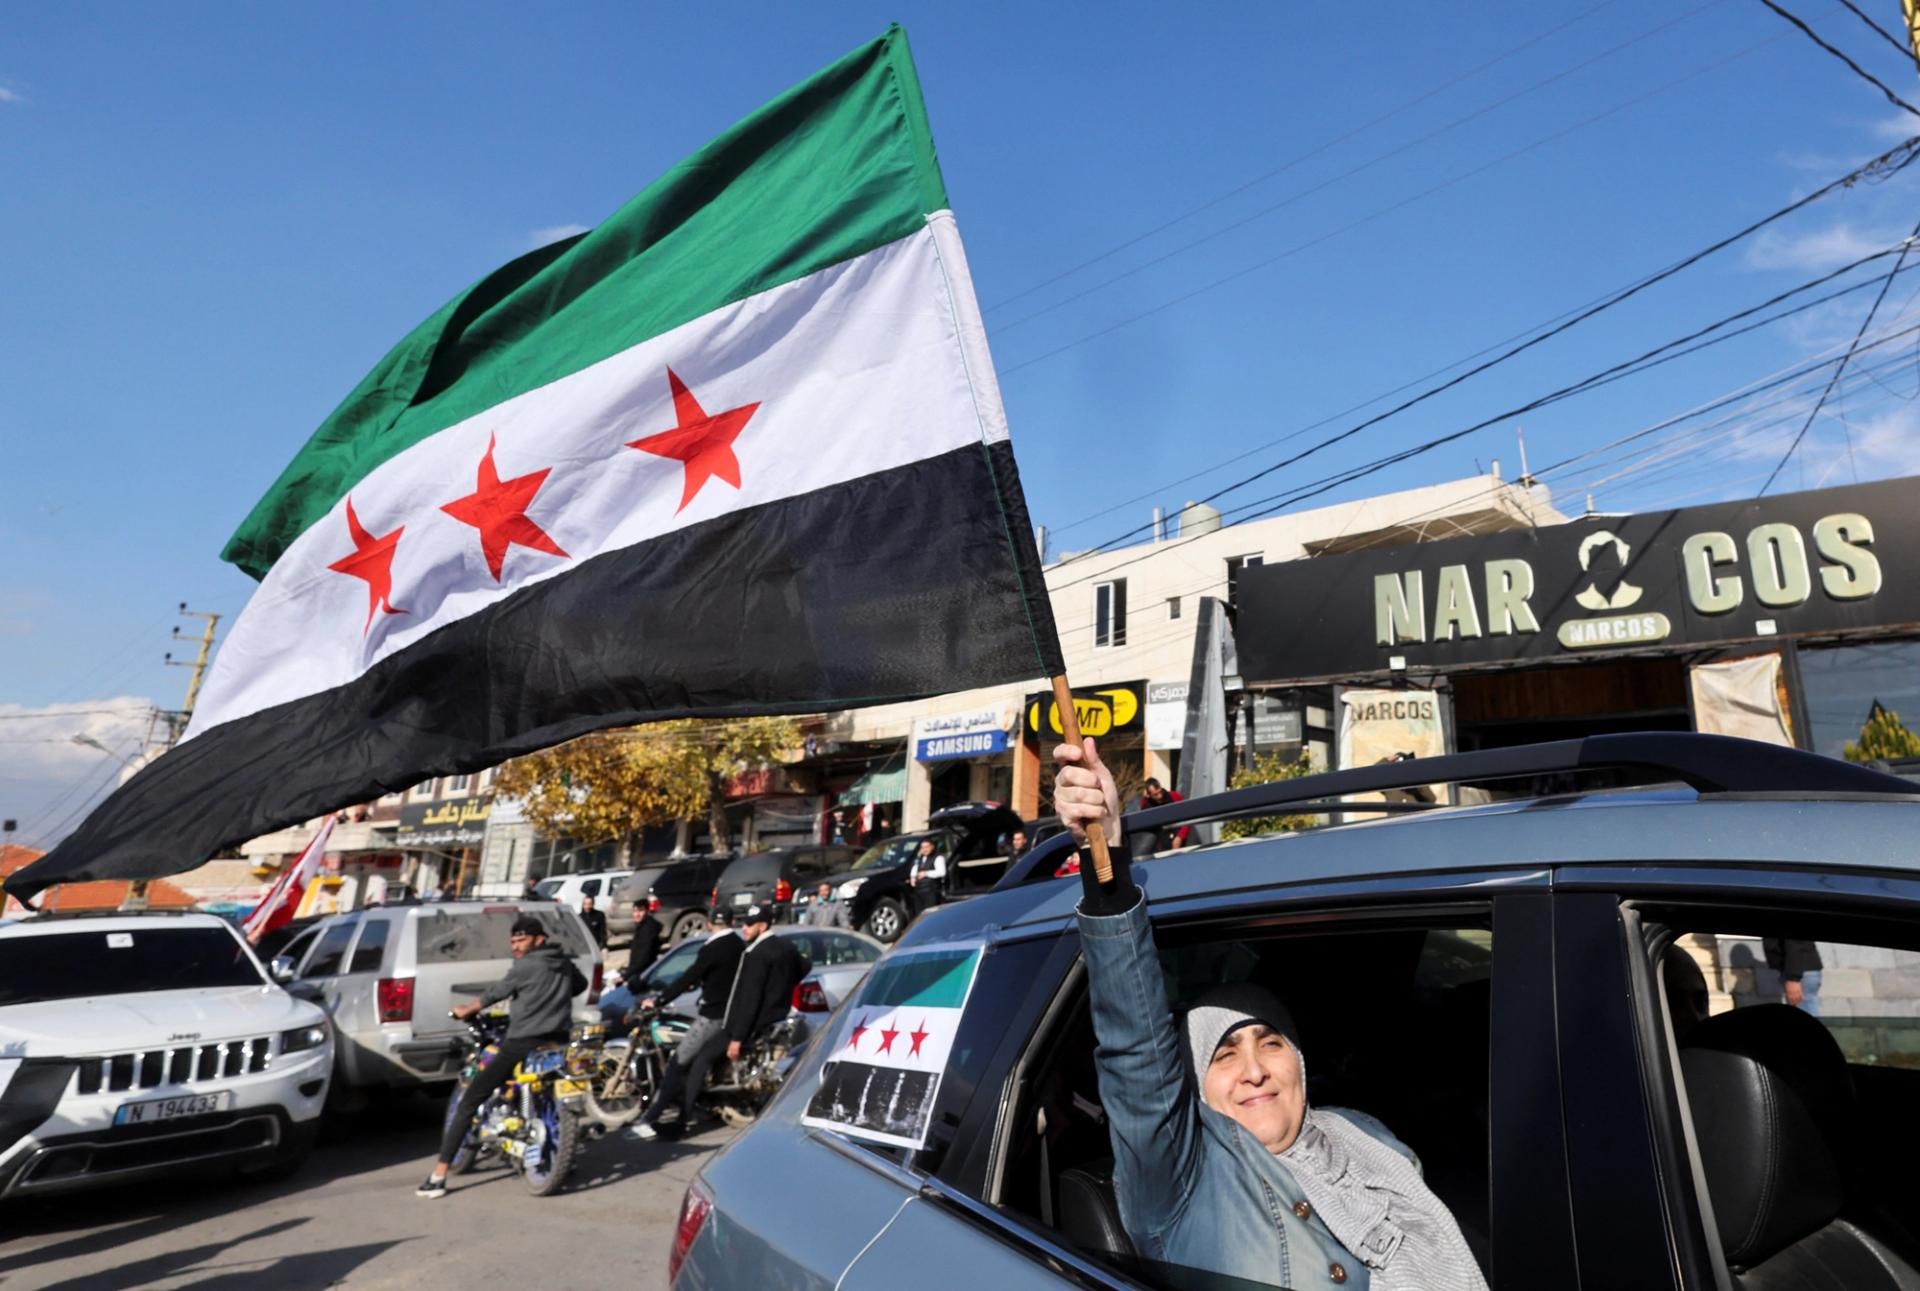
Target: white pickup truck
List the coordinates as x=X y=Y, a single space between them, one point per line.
x=134 y=1044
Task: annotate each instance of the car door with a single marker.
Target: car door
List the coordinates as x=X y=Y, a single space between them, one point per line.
x=355 y=989
x=1389 y=976
x=319 y=975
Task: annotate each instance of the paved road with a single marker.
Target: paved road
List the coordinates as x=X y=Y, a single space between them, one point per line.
x=350 y=1218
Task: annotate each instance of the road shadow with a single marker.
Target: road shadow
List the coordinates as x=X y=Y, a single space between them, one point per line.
x=164 y=1264
x=388 y=1132
x=300 y=1271
x=617 y=1157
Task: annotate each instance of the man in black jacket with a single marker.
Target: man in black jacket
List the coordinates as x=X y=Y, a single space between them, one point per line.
x=713 y=972
x=645 y=946
x=541 y=984
x=769 y=970
x=595 y=921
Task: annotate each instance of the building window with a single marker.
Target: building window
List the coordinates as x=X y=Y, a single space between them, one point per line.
x=1110 y=613
x=457 y=784
x=1173 y=607
x=1234 y=565
x=1866 y=696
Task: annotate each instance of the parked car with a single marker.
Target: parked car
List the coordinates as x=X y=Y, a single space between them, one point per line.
x=771 y=878
x=678 y=895
x=134 y=1044
x=568 y=889
x=387 y=976
x=838 y=960
x=1562 y=1005
x=972 y=840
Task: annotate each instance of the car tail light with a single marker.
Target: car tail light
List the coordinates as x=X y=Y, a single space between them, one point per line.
x=808 y=997
x=783 y=891
x=599 y=980
x=653 y=905
x=694 y=1209
x=394 y=995
x=713 y=898
x=1069 y=866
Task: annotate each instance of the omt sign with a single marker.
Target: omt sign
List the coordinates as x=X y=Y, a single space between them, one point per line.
x=1103 y=710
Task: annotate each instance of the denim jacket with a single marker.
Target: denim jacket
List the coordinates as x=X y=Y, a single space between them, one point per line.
x=1195 y=1189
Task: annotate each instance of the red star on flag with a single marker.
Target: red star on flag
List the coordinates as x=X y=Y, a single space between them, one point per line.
x=859 y=1029
x=703 y=443
x=498 y=509
x=371 y=560
x=917 y=1037
x=886 y=1039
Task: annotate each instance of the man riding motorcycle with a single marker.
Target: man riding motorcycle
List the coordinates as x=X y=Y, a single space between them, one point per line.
x=712 y=973
x=541 y=984
x=762 y=989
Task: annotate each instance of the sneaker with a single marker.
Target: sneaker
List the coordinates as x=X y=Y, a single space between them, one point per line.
x=431 y=1188
x=644 y=1131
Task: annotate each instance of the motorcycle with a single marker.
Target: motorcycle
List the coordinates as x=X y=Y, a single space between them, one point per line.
x=625 y=1071
x=533 y=1121
x=737 y=1090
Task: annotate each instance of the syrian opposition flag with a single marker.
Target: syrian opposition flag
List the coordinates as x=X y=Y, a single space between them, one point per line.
x=283 y=898
x=738 y=450
x=883 y=1077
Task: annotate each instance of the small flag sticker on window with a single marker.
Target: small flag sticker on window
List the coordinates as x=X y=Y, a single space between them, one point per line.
x=119 y=941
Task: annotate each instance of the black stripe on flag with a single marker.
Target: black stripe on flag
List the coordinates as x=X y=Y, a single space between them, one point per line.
x=909 y=582
x=884 y=1100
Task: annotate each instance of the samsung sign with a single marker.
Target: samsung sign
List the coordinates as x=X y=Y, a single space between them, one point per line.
x=1826 y=562
x=962 y=735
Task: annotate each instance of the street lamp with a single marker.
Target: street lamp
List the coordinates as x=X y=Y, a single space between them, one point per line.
x=87 y=741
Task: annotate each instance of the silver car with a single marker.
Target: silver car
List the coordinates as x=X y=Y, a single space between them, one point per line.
x=1568 y=1007
x=841 y=960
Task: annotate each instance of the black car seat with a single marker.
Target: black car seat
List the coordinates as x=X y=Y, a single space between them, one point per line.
x=1774 y=1117
x=1089 y=1215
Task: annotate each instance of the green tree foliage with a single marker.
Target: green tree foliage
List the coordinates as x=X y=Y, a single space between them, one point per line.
x=1265 y=769
x=1884 y=736
x=613 y=784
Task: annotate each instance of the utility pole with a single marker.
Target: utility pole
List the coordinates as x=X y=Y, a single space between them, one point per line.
x=136 y=898
x=199 y=666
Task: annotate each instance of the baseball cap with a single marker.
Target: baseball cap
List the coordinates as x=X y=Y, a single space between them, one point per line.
x=757 y=914
x=722 y=917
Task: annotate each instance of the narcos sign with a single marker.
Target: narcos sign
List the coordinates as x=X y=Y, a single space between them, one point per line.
x=1794 y=565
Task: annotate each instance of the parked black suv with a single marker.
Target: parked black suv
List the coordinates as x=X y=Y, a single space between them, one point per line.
x=971 y=838
x=677 y=893
x=773 y=876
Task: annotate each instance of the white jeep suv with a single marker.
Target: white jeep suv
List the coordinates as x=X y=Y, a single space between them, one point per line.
x=135 y=1043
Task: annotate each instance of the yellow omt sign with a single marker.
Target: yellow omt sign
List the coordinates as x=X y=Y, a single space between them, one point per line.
x=1099 y=711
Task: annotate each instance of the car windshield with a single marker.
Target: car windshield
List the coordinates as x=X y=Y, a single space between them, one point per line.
x=892 y=851
x=673 y=963
x=85 y=962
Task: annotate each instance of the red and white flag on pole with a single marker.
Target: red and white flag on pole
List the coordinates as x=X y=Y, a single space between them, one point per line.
x=283 y=898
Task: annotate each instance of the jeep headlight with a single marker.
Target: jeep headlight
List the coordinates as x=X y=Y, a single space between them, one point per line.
x=302 y=1038
x=850 y=888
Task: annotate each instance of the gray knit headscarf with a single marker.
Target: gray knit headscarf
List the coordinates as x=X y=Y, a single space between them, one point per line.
x=1370 y=1196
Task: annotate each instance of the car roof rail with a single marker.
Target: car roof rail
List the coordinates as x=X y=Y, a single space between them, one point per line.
x=1709 y=764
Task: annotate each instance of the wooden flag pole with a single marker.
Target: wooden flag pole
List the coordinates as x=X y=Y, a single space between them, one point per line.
x=1070 y=733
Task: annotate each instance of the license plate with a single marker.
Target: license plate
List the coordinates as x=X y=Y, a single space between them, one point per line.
x=172 y=1109
x=743 y=898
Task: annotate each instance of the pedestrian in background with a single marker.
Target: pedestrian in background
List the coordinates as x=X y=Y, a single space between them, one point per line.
x=1799 y=965
x=645 y=946
x=595 y=921
x=825 y=912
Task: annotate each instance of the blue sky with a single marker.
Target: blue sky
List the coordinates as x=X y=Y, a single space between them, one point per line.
x=218 y=217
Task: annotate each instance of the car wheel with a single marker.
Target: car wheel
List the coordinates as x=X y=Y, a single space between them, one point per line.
x=888 y=920
x=687 y=925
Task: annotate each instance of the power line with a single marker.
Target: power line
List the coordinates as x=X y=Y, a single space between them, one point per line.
x=1904 y=52
x=1857 y=70
x=1864 y=324
x=1344 y=175
x=1258 y=180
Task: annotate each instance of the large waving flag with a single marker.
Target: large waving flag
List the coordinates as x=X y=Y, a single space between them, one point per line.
x=276 y=909
x=739 y=449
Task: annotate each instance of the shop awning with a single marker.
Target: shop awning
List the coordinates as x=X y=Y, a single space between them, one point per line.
x=881 y=784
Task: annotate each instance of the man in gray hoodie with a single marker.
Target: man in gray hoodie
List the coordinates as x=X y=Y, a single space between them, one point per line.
x=541 y=984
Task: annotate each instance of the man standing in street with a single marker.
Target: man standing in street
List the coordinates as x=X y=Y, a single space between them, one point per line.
x=541 y=984
x=825 y=912
x=713 y=972
x=645 y=946
x=926 y=876
x=769 y=970
x=1799 y=966
x=595 y=921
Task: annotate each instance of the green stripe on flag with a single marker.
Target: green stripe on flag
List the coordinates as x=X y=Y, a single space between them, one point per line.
x=935 y=980
x=836 y=166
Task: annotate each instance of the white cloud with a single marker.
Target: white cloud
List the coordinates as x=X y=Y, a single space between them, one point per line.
x=11 y=96
x=1896 y=128
x=553 y=233
x=46 y=775
x=1818 y=250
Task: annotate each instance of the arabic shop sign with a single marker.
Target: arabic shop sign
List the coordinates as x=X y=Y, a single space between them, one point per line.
x=439 y=824
x=1103 y=710
x=1819 y=563
x=971 y=734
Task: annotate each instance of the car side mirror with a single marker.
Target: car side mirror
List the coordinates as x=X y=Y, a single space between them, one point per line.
x=281 y=969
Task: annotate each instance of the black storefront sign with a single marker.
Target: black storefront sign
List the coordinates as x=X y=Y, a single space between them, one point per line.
x=1827 y=562
x=1102 y=710
x=461 y=823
